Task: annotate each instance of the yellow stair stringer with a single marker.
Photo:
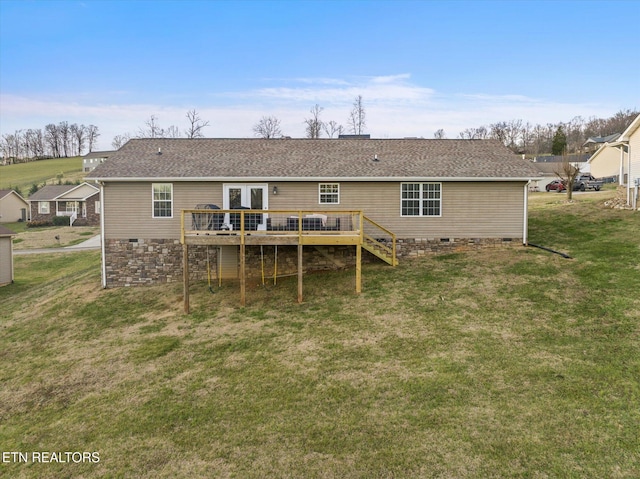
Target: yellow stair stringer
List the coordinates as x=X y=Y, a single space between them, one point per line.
x=379 y=249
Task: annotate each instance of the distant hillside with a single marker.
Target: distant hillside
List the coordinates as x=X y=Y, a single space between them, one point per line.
x=23 y=175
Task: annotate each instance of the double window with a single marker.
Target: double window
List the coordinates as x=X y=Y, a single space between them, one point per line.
x=43 y=207
x=421 y=199
x=329 y=193
x=162 y=200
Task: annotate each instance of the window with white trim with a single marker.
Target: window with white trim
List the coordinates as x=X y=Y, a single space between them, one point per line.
x=43 y=207
x=329 y=193
x=162 y=200
x=98 y=208
x=421 y=199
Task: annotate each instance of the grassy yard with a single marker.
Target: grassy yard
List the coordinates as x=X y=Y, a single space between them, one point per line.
x=500 y=363
x=23 y=175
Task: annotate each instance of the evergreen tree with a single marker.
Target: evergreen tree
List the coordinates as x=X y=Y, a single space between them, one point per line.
x=559 y=144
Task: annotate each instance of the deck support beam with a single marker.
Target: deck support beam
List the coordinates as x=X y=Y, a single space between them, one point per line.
x=243 y=280
x=300 y=272
x=185 y=274
x=358 y=269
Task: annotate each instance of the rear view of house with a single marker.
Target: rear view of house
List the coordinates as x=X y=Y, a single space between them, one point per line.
x=428 y=195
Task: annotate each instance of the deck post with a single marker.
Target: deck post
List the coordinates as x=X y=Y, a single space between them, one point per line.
x=359 y=253
x=300 y=274
x=242 y=276
x=185 y=273
x=358 y=268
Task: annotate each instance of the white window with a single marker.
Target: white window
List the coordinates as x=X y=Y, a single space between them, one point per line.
x=421 y=199
x=98 y=211
x=329 y=193
x=72 y=207
x=43 y=207
x=162 y=200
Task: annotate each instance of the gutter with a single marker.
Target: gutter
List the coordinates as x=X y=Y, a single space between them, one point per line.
x=263 y=179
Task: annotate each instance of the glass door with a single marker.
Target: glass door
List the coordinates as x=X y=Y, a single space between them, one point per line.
x=252 y=196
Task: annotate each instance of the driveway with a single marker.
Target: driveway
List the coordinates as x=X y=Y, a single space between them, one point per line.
x=91 y=244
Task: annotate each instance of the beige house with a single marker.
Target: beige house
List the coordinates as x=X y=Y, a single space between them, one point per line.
x=632 y=138
x=423 y=194
x=13 y=207
x=629 y=142
x=6 y=255
x=610 y=161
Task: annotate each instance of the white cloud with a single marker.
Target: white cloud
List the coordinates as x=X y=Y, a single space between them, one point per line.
x=395 y=107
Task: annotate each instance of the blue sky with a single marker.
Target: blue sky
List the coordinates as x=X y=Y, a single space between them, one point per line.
x=419 y=65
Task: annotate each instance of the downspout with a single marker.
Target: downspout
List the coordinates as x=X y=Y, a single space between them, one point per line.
x=525 y=221
x=629 y=177
x=102 y=238
x=621 y=176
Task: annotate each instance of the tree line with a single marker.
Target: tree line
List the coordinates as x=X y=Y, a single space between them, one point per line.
x=552 y=138
x=521 y=137
x=52 y=141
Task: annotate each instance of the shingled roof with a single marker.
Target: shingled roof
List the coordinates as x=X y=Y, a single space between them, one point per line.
x=303 y=159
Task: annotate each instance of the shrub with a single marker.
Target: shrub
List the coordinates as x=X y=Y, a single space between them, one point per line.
x=39 y=223
x=61 y=221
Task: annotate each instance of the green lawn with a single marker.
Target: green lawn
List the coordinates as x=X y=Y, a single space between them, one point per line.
x=499 y=363
x=23 y=175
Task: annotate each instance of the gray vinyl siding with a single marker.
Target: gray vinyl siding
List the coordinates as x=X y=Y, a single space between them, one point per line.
x=469 y=209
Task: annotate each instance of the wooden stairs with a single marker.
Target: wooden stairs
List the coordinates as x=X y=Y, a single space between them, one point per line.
x=379 y=241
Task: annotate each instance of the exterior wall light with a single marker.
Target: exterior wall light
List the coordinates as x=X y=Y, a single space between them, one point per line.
x=275 y=190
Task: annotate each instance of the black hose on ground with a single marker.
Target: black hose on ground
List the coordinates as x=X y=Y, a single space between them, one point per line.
x=564 y=255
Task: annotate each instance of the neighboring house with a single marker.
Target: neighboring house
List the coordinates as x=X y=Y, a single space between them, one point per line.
x=594 y=143
x=95 y=158
x=430 y=194
x=630 y=139
x=13 y=207
x=80 y=202
x=548 y=173
x=6 y=255
x=610 y=162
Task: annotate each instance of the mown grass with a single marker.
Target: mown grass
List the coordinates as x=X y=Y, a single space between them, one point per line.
x=498 y=363
x=23 y=175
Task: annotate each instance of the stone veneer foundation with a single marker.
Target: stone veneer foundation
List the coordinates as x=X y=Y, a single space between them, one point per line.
x=138 y=262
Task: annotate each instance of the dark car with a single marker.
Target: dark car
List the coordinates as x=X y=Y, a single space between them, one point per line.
x=556 y=185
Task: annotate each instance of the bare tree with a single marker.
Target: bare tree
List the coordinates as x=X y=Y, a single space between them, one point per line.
x=33 y=143
x=152 y=129
x=172 y=132
x=479 y=133
x=567 y=172
x=196 y=124
x=120 y=140
x=65 y=138
x=357 y=116
x=52 y=139
x=268 y=127
x=12 y=146
x=314 y=124
x=92 y=136
x=331 y=128
x=80 y=136
x=440 y=134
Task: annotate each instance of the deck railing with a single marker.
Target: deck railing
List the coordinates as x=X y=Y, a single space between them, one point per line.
x=270 y=222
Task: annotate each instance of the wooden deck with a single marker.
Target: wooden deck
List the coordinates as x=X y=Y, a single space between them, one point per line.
x=299 y=228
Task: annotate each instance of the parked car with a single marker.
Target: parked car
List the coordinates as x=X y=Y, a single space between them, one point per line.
x=555 y=185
